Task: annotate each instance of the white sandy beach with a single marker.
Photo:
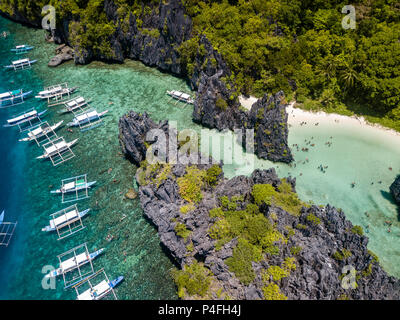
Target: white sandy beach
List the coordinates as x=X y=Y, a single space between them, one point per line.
x=297 y=116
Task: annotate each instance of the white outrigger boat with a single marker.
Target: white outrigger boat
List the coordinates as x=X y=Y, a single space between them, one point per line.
x=26 y=116
x=6 y=230
x=74 y=186
x=99 y=291
x=55 y=91
x=72 y=105
x=181 y=96
x=73 y=263
x=11 y=98
x=21 y=64
x=22 y=49
x=41 y=131
x=86 y=118
x=65 y=219
x=57 y=148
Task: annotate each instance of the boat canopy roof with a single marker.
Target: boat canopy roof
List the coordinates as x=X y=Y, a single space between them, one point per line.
x=56 y=147
x=69 y=185
x=87 y=115
x=99 y=289
x=10 y=94
x=64 y=218
x=74 y=262
x=23 y=116
x=36 y=131
x=50 y=91
x=20 y=61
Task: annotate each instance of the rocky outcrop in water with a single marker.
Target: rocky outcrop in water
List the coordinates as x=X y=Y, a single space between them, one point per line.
x=395 y=189
x=133 y=128
x=156 y=43
x=318 y=240
x=64 y=53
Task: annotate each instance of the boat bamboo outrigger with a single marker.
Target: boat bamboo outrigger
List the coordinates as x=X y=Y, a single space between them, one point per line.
x=22 y=49
x=56 y=94
x=74 y=105
x=93 y=288
x=87 y=120
x=6 y=230
x=12 y=98
x=75 y=265
x=181 y=96
x=66 y=222
x=26 y=120
x=74 y=189
x=21 y=64
x=58 y=151
x=42 y=133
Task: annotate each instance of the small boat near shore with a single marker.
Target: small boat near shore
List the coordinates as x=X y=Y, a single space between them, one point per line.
x=55 y=91
x=73 y=263
x=65 y=219
x=181 y=96
x=20 y=49
x=87 y=119
x=21 y=64
x=41 y=131
x=72 y=105
x=74 y=186
x=100 y=290
x=26 y=116
x=11 y=98
x=57 y=148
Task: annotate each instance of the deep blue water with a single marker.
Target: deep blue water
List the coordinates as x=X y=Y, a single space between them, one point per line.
x=13 y=161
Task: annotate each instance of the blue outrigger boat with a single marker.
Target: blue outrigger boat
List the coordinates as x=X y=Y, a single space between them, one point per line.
x=22 y=49
x=21 y=64
x=100 y=290
x=2 y=217
x=11 y=98
x=65 y=220
x=26 y=116
x=73 y=263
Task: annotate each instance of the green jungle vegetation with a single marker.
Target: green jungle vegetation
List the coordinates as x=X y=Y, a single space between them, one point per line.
x=298 y=46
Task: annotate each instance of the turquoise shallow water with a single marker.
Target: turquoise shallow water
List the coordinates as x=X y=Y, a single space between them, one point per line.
x=355 y=155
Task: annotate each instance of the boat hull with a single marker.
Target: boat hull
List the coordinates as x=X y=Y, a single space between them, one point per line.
x=50 y=96
x=76 y=123
x=32 y=138
x=8 y=102
x=19 y=66
x=59 y=271
x=87 y=185
x=50 y=229
x=12 y=124
x=48 y=155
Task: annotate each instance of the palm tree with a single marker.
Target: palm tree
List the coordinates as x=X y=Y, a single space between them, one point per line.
x=349 y=76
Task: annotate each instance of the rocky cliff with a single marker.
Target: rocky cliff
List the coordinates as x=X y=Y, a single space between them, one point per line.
x=251 y=237
x=156 y=39
x=395 y=189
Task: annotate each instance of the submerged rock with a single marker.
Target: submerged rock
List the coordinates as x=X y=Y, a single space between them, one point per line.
x=131 y=194
x=395 y=189
x=64 y=53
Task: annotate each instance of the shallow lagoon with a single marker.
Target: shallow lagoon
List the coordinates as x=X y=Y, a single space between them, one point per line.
x=355 y=155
